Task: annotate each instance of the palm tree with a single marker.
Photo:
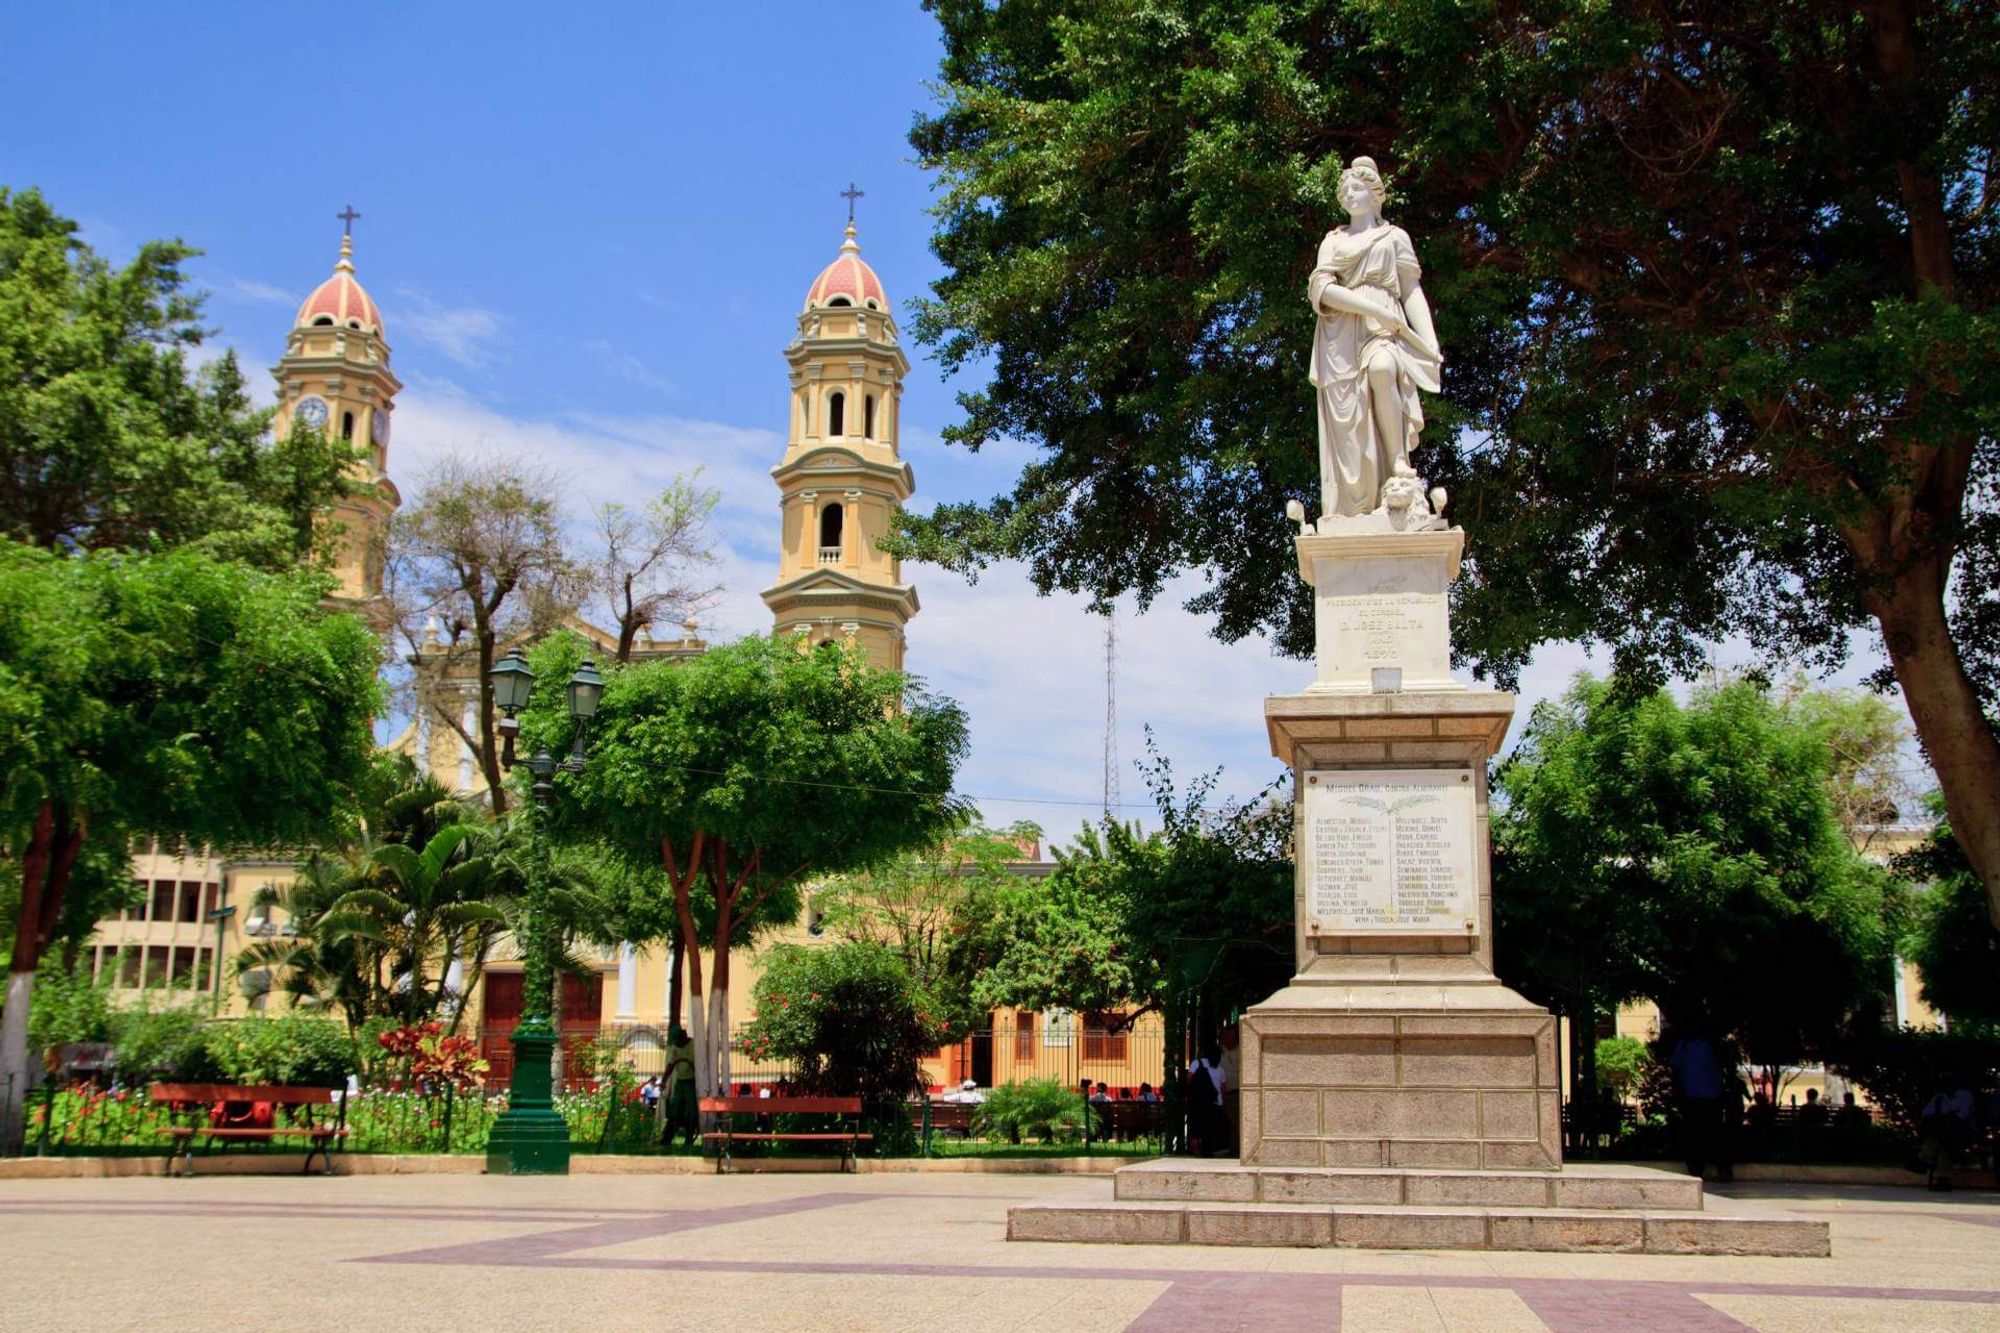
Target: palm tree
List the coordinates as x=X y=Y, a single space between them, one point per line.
x=423 y=910
x=316 y=969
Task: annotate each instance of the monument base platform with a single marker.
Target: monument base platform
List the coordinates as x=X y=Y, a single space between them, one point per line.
x=1591 y=1208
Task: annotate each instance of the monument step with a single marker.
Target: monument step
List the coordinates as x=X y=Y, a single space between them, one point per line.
x=1091 y=1216
x=1601 y=1186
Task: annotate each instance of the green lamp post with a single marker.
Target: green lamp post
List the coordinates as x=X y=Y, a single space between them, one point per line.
x=530 y=1137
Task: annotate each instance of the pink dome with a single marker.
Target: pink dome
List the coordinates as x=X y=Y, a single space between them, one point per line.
x=340 y=300
x=848 y=276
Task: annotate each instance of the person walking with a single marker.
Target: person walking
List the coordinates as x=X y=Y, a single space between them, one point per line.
x=678 y=1112
x=1698 y=1089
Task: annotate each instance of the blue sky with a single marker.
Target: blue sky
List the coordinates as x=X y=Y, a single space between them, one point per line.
x=589 y=228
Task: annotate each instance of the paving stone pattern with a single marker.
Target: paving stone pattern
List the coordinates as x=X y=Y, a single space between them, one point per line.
x=805 y=1252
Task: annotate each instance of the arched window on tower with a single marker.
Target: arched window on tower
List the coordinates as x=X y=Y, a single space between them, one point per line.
x=347 y=425
x=840 y=300
x=831 y=519
x=323 y=322
x=868 y=416
x=836 y=413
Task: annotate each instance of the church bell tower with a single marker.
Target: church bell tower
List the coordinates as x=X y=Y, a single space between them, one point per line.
x=841 y=480
x=335 y=377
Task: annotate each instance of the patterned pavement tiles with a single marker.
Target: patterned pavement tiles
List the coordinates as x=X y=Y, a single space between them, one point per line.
x=800 y=1252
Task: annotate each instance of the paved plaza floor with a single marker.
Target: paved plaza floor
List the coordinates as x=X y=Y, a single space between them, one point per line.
x=884 y=1251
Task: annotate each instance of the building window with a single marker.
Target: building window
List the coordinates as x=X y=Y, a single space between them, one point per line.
x=211 y=897
x=130 y=960
x=163 y=900
x=1100 y=1042
x=868 y=416
x=1058 y=1028
x=159 y=963
x=836 y=413
x=1024 y=1034
x=832 y=519
x=190 y=901
x=347 y=425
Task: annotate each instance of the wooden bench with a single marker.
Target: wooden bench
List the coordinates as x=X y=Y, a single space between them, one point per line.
x=847 y=1107
x=953 y=1118
x=200 y=1101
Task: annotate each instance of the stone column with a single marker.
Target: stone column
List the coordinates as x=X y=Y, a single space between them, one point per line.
x=628 y=985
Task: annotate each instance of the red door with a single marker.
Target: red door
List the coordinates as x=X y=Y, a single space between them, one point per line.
x=582 y=1011
x=497 y=1018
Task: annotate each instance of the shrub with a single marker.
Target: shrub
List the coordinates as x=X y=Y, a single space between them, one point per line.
x=292 y=1049
x=1902 y=1068
x=152 y=1044
x=1620 y=1063
x=68 y=1007
x=849 y=1020
x=1038 y=1108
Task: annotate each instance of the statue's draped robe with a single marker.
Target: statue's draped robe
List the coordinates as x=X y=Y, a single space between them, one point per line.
x=1353 y=460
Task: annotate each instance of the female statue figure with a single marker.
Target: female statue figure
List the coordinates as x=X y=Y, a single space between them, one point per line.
x=1374 y=348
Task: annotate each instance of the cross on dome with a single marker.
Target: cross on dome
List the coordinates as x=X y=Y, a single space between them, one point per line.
x=340 y=301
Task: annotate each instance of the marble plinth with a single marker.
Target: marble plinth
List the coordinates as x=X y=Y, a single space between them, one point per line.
x=1579 y=1209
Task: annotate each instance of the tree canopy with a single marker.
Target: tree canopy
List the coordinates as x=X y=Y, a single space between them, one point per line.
x=1954 y=945
x=109 y=438
x=1131 y=919
x=1715 y=285
x=742 y=773
x=1688 y=855
x=173 y=695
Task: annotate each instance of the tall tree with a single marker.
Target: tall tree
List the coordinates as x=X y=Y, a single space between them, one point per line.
x=1715 y=283
x=475 y=564
x=169 y=695
x=1132 y=920
x=108 y=438
x=926 y=904
x=1956 y=949
x=1646 y=849
x=648 y=560
x=742 y=774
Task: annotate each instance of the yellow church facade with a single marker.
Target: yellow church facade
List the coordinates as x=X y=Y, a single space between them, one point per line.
x=840 y=481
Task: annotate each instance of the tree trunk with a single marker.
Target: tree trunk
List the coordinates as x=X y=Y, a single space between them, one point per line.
x=50 y=855
x=718 y=1031
x=1944 y=707
x=676 y=961
x=489 y=752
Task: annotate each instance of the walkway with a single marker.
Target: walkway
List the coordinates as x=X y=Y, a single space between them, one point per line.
x=889 y=1252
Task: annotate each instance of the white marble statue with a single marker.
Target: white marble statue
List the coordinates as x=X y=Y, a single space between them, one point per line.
x=1374 y=349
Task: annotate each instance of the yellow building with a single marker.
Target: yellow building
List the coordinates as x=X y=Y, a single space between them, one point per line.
x=841 y=479
x=335 y=376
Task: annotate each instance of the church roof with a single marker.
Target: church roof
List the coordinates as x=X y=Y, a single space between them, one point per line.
x=848 y=276
x=340 y=300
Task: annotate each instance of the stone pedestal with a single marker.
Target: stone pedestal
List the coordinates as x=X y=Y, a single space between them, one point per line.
x=1396 y=1095
x=1395 y=1045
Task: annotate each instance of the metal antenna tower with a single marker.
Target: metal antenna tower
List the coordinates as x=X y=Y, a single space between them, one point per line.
x=1110 y=710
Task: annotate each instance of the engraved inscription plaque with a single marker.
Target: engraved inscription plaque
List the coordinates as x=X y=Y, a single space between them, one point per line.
x=1391 y=851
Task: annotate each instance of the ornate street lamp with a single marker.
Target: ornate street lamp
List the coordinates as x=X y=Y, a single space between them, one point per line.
x=530 y=1136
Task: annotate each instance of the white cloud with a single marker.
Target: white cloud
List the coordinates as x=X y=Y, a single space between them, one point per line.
x=1029 y=670
x=628 y=367
x=263 y=293
x=462 y=334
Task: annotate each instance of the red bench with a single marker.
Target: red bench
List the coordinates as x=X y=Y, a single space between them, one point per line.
x=848 y=1136
x=212 y=1101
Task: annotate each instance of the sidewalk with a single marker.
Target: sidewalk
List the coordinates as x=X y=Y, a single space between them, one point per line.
x=890 y=1252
